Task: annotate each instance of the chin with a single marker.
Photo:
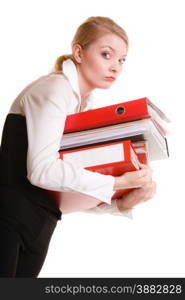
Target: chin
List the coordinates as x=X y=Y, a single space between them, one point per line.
x=105 y=86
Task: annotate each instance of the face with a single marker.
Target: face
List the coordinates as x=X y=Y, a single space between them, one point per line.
x=101 y=62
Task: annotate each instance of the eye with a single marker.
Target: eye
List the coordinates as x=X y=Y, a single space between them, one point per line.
x=122 y=60
x=106 y=55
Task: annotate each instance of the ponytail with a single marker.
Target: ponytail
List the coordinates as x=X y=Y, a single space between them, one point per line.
x=59 y=61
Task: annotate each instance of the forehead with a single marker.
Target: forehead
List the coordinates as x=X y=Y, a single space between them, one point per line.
x=113 y=41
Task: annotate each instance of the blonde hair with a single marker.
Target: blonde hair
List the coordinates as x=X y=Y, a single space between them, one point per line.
x=89 y=31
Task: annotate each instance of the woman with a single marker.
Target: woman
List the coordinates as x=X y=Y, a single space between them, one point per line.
x=30 y=164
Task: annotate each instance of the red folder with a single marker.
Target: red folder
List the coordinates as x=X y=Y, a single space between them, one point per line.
x=113 y=114
x=128 y=162
x=70 y=202
x=140 y=149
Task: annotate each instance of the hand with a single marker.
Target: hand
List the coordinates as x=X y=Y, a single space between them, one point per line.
x=134 y=179
x=137 y=196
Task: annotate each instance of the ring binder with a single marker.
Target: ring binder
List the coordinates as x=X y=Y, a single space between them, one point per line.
x=120 y=110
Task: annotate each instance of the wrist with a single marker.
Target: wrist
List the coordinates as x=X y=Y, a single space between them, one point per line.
x=119 y=204
x=119 y=183
x=122 y=204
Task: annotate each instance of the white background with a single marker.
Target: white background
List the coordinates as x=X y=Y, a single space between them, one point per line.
x=33 y=34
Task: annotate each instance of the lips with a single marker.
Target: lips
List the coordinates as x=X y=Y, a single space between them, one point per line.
x=110 y=78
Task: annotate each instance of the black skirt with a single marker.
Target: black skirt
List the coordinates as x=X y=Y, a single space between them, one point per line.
x=18 y=211
x=22 y=204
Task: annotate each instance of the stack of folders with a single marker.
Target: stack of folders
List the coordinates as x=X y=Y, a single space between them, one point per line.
x=113 y=140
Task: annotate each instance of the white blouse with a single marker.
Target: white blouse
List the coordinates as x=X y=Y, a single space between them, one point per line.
x=45 y=103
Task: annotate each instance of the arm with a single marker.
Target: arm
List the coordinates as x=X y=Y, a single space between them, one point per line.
x=144 y=189
x=45 y=108
x=137 y=196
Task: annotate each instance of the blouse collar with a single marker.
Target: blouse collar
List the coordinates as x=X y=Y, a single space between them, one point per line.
x=70 y=71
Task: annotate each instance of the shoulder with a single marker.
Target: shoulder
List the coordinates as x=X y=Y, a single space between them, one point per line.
x=51 y=88
x=50 y=85
x=47 y=86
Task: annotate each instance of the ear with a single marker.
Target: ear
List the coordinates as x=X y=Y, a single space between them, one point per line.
x=77 y=53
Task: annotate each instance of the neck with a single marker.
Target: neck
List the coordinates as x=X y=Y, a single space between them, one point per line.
x=84 y=87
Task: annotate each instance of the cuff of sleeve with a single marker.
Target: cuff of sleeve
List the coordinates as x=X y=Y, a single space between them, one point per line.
x=117 y=212
x=111 y=209
x=97 y=185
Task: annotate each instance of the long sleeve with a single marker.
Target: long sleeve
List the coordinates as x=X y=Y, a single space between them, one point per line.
x=110 y=209
x=45 y=107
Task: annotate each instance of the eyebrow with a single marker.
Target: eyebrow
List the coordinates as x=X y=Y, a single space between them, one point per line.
x=107 y=46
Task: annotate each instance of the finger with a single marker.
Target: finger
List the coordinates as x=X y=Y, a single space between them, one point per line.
x=142 y=182
x=148 y=185
x=150 y=194
x=146 y=167
x=144 y=178
x=143 y=166
x=141 y=173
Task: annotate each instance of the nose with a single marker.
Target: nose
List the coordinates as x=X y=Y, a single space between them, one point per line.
x=115 y=67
